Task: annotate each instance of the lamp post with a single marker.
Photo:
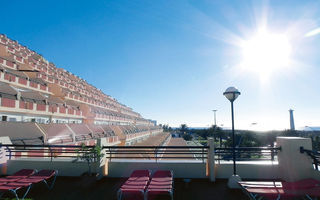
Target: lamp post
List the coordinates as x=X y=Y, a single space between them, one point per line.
x=215 y=121
x=232 y=94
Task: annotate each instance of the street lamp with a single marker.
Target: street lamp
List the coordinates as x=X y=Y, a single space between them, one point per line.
x=232 y=94
x=215 y=121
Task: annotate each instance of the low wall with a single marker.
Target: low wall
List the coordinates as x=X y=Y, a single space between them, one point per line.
x=180 y=169
x=248 y=170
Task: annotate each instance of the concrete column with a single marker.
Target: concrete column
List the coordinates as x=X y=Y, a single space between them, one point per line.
x=16 y=104
x=102 y=165
x=211 y=164
x=293 y=165
x=3 y=158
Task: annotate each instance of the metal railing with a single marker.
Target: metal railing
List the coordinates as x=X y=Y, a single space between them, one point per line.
x=44 y=151
x=247 y=153
x=157 y=152
x=314 y=155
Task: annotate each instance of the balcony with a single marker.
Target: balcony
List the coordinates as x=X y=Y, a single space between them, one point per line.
x=37 y=108
x=196 y=177
x=19 y=79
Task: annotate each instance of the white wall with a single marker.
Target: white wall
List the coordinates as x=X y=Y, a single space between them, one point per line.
x=248 y=170
x=180 y=170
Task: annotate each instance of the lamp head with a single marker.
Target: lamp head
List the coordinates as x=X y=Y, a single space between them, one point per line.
x=231 y=93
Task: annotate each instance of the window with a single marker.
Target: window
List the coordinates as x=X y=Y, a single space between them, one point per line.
x=12 y=119
x=4 y=118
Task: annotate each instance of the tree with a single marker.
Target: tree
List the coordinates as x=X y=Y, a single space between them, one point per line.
x=183 y=128
x=187 y=137
x=90 y=155
x=219 y=133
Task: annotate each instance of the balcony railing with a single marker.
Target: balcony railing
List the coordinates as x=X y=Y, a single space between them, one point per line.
x=44 y=151
x=314 y=155
x=156 y=153
x=247 y=153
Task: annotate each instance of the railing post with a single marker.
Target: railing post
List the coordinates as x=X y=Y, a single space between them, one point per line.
x=50 y=152
x=102 y=164
x=202 y=154
x=272 y=154
x=10 y=153
x=316 y=163
x=210 y=161
x=110 y=154
x=156 y=154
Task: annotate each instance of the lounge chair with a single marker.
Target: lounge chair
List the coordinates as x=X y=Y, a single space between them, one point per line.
x=307 y=188
x=42 y=176
x=23 y=173
x=135 y=186
x=161 y=185
x=14 y=184
x=8 y=183
x=14 y=188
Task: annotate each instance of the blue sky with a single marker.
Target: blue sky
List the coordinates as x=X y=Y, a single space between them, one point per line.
x=172 y=60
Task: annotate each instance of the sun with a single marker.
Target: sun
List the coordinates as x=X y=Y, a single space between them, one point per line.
x=266 y=53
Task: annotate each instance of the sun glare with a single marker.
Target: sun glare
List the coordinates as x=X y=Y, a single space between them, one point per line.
x=265 y=53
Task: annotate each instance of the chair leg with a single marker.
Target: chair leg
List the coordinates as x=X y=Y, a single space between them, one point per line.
x=145 y=197
x=15 y=193
x=171 y=195
x=54 y=180
x=309 y=198
x=119 y=194
x=28 y=189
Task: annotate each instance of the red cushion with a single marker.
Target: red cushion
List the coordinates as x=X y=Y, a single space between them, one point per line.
x=140 y=173
x=45 y=173
x=159 y=187
x=162 y=173
x=30 y=180
x=159 y=191
x=135 y=182
x=18 y=184
x=139 y=178
x=302 y=184
x=131 y=190
x=24 y=172
x=164 y=179
x=7 y=179
x=133 y=187
x=161 y=182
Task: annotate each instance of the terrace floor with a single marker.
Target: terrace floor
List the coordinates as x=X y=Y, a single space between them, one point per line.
x=76 y=188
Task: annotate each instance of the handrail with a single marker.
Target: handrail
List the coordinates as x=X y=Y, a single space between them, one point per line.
x=158 y=147
x=142 y=152
x=314 y=155
x=249 y=148
x=247 y=153
x=156 y=152
x=44 y=151
x=45 y=145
